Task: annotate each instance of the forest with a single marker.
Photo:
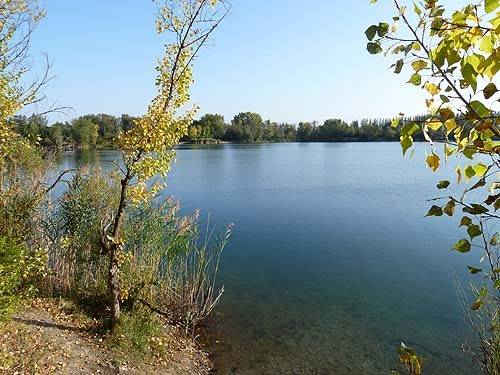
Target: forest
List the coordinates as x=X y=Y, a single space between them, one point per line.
x=102 y=130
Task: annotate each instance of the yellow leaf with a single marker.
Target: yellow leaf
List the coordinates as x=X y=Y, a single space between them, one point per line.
x=432 y=89
x=450 y=125
x=433 y=161
x=434 y=124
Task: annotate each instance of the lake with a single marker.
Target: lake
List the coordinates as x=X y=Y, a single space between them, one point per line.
x=332 y=263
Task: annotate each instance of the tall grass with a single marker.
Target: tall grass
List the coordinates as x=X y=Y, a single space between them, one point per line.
x=172 y=264
x=166 y=265
x=76 y=265
x=484 y=345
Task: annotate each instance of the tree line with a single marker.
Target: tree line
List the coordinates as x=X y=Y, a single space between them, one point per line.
x=102 y=130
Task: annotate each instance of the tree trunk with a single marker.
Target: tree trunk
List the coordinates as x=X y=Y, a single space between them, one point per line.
x=114 y=285
x=112 y=250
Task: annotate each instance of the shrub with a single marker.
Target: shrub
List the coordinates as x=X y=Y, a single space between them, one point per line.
x=19 y=270
x=164 y=263
x=75 y=260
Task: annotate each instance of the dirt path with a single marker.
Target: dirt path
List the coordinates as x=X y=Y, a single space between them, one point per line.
x=45 y=340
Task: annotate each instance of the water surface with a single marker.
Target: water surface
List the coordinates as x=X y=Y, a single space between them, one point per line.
x=332 y=263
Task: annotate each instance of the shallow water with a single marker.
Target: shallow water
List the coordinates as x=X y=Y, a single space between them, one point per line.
x=332 y=263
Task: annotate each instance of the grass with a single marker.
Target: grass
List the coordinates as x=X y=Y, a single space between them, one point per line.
x=136 y=332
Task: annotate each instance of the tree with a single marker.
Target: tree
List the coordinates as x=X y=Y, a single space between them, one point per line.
x=455 y=57
x=304 y=131
x=108 y=127
x=148 y=146
x=208 y=126
x=56 y=136
x=127 y=122
x=18 y=19
x=334 y=129
x=246 y=127
x=85 y=132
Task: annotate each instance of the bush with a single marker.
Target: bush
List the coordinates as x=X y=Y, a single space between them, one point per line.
x=19 y=270
x=76 y=263
x=163 y=264
x=22 y=247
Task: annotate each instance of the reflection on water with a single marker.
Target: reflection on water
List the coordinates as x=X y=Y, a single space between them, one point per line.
x=332 y=263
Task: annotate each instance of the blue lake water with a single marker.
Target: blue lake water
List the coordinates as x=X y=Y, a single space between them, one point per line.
x=332 y=263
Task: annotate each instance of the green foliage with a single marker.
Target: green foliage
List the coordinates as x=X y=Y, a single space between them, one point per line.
x=19 y=270
x=85 y=133
x=169 y=265
x=211 y=127
x=135 y=331
x=246 y=127
x=208 y=126
x=453 y=56
x=164 y=262
x=78 y=267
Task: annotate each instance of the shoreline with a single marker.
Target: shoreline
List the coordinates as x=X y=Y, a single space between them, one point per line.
x=46 y=336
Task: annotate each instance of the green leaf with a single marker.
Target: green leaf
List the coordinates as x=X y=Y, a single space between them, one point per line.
x=406 y=143
x=449 y=209
x=469 y=152
x=490 y=90
x=435 y=211
x=470 y=172
x=465 y=221
x=374 y=48
x=435 y=125
x=415 y=79
x=444 y=98
x=399 y=66
x=418 y=65
x=474 y=270
x=496 y=205
x=395 y=122
x=382 y=29
x=371 y=32
x=473 y=231
x=480 y=169
x=483 y=292
x=470 y=75
x=462 y=246
x=486 y=44
x=450 y=125
x=416 y=9
x=491 y=5
x=475 y=209
x=409 y=129
x=497 y=284
x=443 y=184
x=480 y=108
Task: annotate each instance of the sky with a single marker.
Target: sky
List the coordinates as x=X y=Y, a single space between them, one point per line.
x=288 y=60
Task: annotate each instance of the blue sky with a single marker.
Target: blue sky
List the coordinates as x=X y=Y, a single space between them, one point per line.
x=288 y=60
